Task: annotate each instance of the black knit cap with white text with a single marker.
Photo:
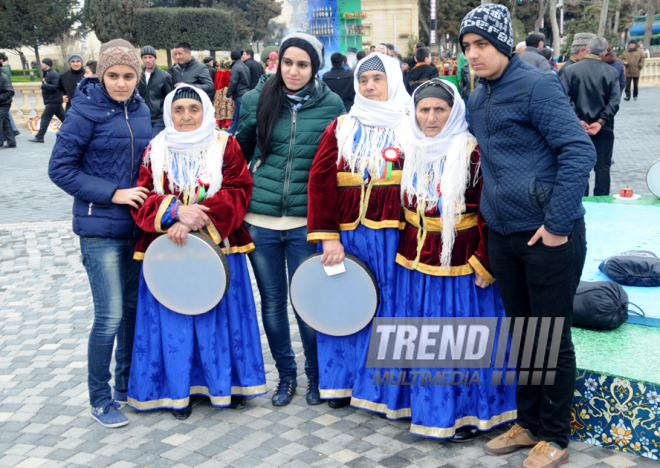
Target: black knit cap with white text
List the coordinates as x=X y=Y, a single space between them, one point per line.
x=493 y=22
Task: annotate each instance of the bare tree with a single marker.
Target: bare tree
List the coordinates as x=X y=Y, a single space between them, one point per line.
x=648 y=29
x=543 y=7
x=556 y=38
x=603 y=17
x=66 y=44
x=617 y=17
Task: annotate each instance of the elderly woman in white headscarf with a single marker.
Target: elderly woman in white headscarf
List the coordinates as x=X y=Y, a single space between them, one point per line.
x=443 y=263
x=198 y=182
x=354 y=208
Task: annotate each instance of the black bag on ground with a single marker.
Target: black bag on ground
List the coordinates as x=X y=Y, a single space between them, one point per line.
x=633 y=268
x=602 y=305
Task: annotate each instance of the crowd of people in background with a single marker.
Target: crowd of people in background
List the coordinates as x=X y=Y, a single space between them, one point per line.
x=226 y=81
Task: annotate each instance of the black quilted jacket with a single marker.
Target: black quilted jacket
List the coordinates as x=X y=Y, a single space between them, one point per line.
x=535 y=155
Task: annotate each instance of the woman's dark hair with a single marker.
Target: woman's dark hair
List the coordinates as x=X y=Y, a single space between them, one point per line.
x=270 y=103
x=92 y=65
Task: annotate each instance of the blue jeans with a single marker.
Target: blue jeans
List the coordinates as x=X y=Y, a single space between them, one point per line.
x=237 y=112
x=157 y=128
x=276 y=253
x=14 y=128
x=114 y=278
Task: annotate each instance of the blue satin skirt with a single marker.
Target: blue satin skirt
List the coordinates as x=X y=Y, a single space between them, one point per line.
x=438 y=410
x=342 y=359
x=216 y=354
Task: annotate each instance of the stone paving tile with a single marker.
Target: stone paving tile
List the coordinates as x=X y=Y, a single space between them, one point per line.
x=45 y=318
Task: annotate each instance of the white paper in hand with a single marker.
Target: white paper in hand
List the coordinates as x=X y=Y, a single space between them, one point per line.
x=335 y=269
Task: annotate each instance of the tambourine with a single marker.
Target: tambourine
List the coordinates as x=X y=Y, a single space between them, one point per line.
x=189 y=280
x=653 y=178
x=338 y=305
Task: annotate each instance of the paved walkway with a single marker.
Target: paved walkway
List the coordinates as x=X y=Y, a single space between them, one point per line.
x=45 y=318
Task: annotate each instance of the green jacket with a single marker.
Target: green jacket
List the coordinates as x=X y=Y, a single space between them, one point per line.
x=6 y=69
x=459 y=66
x=280 y=184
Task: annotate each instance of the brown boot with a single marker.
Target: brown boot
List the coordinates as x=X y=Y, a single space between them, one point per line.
x=515 y=439
x=546 y=455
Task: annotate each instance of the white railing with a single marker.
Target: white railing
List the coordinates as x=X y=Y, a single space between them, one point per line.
x=26 y=110
x=650 y=75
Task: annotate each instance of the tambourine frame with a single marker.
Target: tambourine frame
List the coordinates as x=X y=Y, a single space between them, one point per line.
x=648 y=172
x=363 y=266
x=150 y=277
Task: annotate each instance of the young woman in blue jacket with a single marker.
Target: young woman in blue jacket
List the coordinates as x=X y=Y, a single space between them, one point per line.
x=96 y=159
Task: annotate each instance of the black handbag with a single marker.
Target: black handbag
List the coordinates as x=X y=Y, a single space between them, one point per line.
x=601 y=305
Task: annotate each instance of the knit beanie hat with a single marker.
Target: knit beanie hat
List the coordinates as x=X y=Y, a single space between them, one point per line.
x=582 y=39
x=48 y=62
x=309 y=44
x=186 y=93
x=148 y=50
x=491 y=21
x=117 y=52
x=74 y=56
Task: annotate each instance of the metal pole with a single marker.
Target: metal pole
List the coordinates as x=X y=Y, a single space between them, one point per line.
x=433 y=22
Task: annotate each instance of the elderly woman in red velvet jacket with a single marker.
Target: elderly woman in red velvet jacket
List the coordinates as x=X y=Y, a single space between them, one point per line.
x=354 y=208
x=443 y=263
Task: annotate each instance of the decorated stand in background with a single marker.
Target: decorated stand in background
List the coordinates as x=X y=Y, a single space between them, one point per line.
x=34 y=124
x=617 y=390
x=337 y=23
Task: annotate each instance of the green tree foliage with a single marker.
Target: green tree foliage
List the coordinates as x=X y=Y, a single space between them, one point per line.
x=202 y=28
x=276 y=32
x=266 y=53
x=251 y=17
x=112 y=19
x=35 y=23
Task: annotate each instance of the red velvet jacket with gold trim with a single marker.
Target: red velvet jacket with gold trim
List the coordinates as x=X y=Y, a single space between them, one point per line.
x=227 y=207
x=334 y=195
x=469 y=253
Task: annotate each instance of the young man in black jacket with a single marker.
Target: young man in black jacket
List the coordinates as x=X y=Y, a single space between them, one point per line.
x=154 y=85
x=239 y=84
x=340 y=80
x=256 y=70
x=70 y=78
x=52 y=99
x=423 y=70
x=6 y=96
x=190 y=71
x=535 y=160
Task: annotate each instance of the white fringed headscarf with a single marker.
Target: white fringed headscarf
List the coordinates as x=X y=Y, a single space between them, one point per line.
x=380 y=123
x=443 y=159
x=186 y=156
